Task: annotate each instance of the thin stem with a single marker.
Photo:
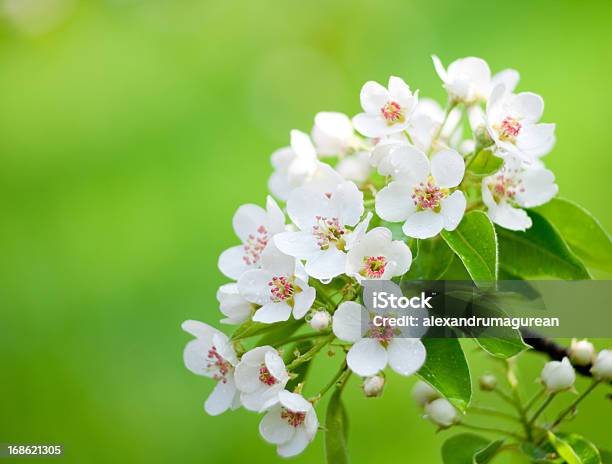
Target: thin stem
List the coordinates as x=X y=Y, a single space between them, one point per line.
x=299 y=338
x=491 y=429
x=436 y=135
x=310 y=353
x=504 y=396
x=321 y=293
x=572 y=406
x=335 y=380
x=542 y=408
x=492 y=412
x=533 y=399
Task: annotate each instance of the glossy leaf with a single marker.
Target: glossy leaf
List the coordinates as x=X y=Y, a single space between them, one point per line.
x=582 y=232
x=539 y=252
x=485 y=164
x=433 y=259
x=447 y=371
x=467 y=448
x=336 y=423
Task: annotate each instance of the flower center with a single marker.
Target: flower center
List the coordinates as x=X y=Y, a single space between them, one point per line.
x=217 y=363
x=383 y=333
x=509 y=129
x=392 y=112
x=281 y=289
x=329 y=231
x=254 y=245
x=505 y=186
x=265 y=377
x=374 y=266
x=427 y=195
x=293 y=418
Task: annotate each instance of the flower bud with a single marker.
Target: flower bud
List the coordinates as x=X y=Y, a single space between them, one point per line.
x=423 y=393
x=373 y=386
x=558 y=375
x=320 y=320
x=488 y=382
x=441 y=413
x=602 y=367
x=582 y=353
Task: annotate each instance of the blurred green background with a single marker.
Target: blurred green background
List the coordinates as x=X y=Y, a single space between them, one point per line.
x=131 y=130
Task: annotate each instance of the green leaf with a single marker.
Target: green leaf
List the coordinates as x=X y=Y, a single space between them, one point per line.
x=541 y=455
x=606 y=456
x=447 y=371
x=582 y=232
x=586 y=451
x=485 y=164
x=303 y=369
x=432 y=260
x=467 y=448
x=564 y=449
x=336 y=423
x=539 y=252
x=475 y=243
x=283 y=331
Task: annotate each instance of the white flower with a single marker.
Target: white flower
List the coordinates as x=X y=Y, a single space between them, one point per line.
x=508 y=77
x=233 y=305
x=255 y=227
x=441 y=413
x=377 y=256
x=582 y=352
x=320 y=320
x=515 y=187
x=297 y=166
x=558 y=375
x=290 y=425
x=355 y=167
x=323 y=237
x=280 y=287
x=260 y=376
x=333 y=134
x=374 y=346
x=512 y=123
x=422 y=198
x=212 y=355
x=386 y=111
x=423 y=393
x=373 y=386
x=467 y=80
x=426 y=121
x=602 y=367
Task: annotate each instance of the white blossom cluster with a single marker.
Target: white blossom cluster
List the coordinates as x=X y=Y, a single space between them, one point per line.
x=405 y=160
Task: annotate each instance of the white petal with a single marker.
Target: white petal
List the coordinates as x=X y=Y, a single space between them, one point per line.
x=224 y=348
x=355 y=167
x=423 y=224
x=278 y=184
x=305 y=204
x=232 y=304
x=347 y=201
x=405 y=163
x=261 y=399
x=406 y=355
x=528 y=105
x=275 y=429
x=294 y=402
x=439 y=67
x=276 y=366
x=282 y=158
x=277 y=262
x=509 y=77
x=358 y=232
x=372 y=125
x=400 y=93
x=195 y=357
x=302 y=245
x=254 y=286
x=452 y=209
x=539 y=187
x=400 y=254
x=327 y=264
x=302 y=302
x=221 y=398
x=394 y=202
x=276 y=218
x=295 y=445
x=247 y=219
x=366 y=357
x=302 y=145
x=332 y=133
x=536 y=140
x=509 y=217
x=200 y=330
x=246 y=376
x=272 y=312
x=373 y=97
x=447 y=168
x=348 y=323
x=231 y=262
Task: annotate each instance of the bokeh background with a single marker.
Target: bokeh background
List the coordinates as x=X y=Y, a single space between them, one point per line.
x=131 y=130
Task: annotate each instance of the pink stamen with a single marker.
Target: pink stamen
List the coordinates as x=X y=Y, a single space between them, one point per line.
x=254 y=245
x=374 y=266
x=218 y=363
x=294 y=418
x=383 y=333
x=281 y=289
x=327 y=231
x=265 y=377
x=428 y=195
x=506 y=186
x=510 y=128
x=392 y=112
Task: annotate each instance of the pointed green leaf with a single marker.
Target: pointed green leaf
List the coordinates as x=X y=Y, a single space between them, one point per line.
x=487 y=453
x=475 y=243
x=539 y=252
x=485 y=164
x=586 y=451
x=467 y=448
x=447 y=371
x=564 y=449
x=432 y=260
x=336 y=423
x=582 y=232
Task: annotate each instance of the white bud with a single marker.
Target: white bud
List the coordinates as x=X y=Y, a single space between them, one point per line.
x=602 y=367
x=441 y=413
x=373 y=386
x=320 y=320
x=558 y=375
x=488 y=382
x=423 y=393
x=582 y=353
